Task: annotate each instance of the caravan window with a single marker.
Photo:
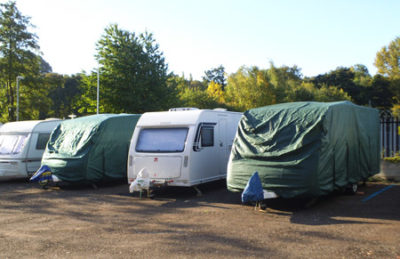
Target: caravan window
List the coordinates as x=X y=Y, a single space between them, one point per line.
x=204 y=136
x=162 y=140
x=207 y=136
x=11 y=144
x=42 y=140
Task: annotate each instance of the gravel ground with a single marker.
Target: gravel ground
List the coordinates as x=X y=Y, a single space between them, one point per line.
x=109 y=223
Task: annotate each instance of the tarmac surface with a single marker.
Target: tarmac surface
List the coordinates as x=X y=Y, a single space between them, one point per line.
x=107 y=222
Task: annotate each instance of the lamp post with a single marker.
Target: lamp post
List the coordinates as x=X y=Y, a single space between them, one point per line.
x=18 y=78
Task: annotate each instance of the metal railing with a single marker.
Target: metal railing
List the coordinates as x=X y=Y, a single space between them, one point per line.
x=390 y=139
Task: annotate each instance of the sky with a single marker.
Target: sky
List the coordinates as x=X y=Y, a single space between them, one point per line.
x=195 y=36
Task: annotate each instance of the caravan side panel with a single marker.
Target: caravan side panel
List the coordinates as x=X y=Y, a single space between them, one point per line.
x=210 y=162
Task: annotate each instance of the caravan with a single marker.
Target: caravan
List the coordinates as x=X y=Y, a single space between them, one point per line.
x=90 y=149
x=182 y=146
x=22 y=145
x=305 y=149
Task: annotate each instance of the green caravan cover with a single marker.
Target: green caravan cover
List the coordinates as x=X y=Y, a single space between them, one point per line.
x=305 y=149
x=90 y=149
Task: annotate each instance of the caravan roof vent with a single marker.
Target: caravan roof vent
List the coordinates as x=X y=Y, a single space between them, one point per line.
x=220 y=109
x=183 y=109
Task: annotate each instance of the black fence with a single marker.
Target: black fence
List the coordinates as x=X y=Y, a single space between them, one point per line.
x=390 y=138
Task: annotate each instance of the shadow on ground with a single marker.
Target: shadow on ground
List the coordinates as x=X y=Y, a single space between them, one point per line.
x=343 y=209
x=332 y=209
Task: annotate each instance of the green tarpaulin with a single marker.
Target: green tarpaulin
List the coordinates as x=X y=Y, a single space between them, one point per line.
x=91 y=149
x=305 y=148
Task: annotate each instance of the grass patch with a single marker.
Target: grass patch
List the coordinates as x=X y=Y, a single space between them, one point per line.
x=379 y=179
x=394 y=159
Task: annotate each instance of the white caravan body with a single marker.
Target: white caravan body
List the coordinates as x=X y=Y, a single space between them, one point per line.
x=182 y=147
x=22 y=145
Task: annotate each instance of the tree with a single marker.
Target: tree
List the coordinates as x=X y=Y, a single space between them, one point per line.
x=304 y=92
x=216 y=92
x=87 y=103
x=352 y=80
x=284 y=80
x=380 y=93
x=190 y=93
x=249 y=88
x=64 y=92
x=361 y=75
x=18 y=56
x=330 y=94
x=216 y=75
x=176 y=85
x=198 y=98
x=133 y=74
x=387 y=60
x=45 y=67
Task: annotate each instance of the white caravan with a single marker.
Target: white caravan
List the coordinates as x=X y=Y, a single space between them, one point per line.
x=182 y=146
x=22 y=145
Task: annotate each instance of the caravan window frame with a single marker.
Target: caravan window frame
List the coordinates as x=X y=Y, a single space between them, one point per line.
x=199 y=142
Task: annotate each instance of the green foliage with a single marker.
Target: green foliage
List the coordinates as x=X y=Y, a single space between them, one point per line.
x=216 y=92
x=190 y=93
x=253 y=87
x=19 y=56
x=216 y=75
x=330 y=94
x=198 y=98
x=387 y=60
x=134 y=79
x=396 y=110
x=358 y=84
x=34 y=101
x=302 y=92
x=87 y=103
x=174 y=84
x=133 y=74
x=284 y=80
x=249 y=88
x=64 y=91
x=361 y=75
x=395 y=159
x=380 y=94
x=342 y=78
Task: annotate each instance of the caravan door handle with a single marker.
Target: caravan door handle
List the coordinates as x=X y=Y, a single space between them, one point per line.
x=221 y=144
